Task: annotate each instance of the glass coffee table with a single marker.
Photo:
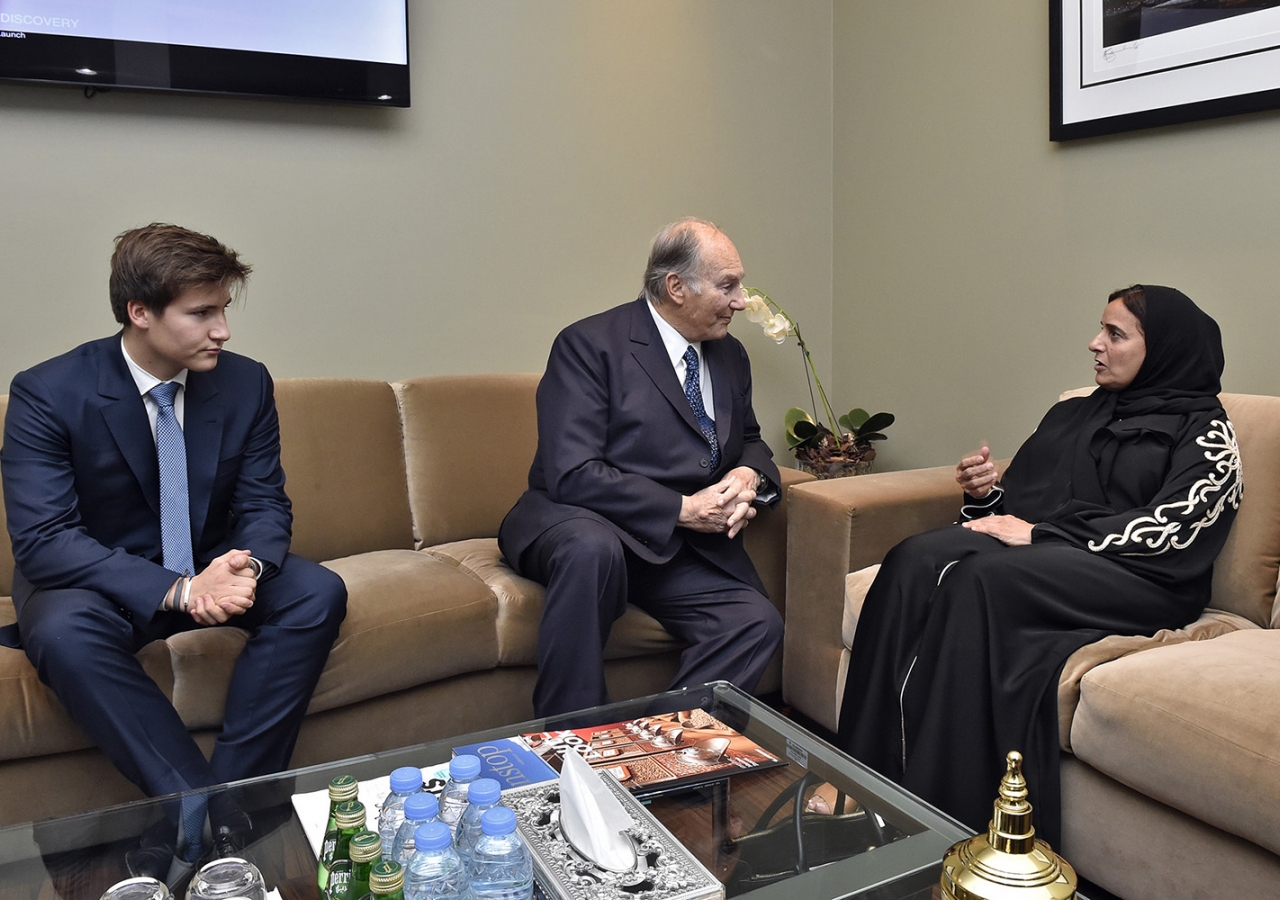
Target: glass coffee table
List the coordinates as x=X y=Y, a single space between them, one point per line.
x=878 y=841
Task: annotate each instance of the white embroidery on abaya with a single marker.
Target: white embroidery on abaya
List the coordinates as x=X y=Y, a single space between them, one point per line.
x=1170 y=526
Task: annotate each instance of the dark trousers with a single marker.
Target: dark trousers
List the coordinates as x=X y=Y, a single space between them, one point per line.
x=83 y=646
x=732 y=629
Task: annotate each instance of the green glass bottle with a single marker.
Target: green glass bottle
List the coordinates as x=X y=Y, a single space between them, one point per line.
x=386 y=881
x=350 y=817
x=342 y=788
x=366 y=849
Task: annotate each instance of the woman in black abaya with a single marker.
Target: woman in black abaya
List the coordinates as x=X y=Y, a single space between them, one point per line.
x=1107 y=522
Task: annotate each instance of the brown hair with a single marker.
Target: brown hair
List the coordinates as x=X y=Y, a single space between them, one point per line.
x=154 y=264
x=1135 y=300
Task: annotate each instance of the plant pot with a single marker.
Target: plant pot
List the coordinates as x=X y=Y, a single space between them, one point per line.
x=836 y=467
x=832 y=458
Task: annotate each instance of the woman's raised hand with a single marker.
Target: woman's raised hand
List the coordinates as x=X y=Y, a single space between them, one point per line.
x=977 y=473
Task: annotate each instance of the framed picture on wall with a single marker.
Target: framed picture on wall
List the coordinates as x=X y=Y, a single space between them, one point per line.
x=1119 y=65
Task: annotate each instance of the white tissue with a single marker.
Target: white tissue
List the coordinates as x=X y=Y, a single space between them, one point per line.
x=592 y=818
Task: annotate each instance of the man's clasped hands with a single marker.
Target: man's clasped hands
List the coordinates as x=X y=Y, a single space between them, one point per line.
x=224 y=589
x=724 y=507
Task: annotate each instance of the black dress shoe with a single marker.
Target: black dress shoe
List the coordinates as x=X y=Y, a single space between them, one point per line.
x=232 y=832
x=156 y=859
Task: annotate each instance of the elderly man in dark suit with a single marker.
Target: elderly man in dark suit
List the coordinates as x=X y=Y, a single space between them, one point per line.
x=145 y=496
x=649 y=462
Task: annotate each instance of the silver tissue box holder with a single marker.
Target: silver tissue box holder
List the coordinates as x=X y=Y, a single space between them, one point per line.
x=664 y=869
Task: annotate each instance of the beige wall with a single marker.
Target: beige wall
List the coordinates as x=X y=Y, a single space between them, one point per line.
x=885 y=169
x=973 y=257
x=548 y=140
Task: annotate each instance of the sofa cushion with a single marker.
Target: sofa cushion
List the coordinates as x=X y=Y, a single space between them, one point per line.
x=1211 y=624
x=411 y=619
x=519 y=599
x=1245 y=575
x=344 y=466
x=856 y=585
x=1193 y=725
x=520 y=608
x=475 y=430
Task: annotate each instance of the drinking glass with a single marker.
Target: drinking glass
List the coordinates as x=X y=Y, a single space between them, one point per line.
x=138 y=889
x=228 y=879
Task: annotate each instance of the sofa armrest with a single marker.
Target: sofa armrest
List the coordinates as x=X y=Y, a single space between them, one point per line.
x=836 y=527
x=766 y=541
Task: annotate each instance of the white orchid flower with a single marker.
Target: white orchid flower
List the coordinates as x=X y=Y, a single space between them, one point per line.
x=777 y=328
x=757 y=310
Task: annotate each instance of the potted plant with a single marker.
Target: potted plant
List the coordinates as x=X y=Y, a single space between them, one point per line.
x=846 y=448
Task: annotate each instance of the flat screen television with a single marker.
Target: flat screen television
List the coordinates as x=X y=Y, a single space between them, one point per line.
x=349 y=51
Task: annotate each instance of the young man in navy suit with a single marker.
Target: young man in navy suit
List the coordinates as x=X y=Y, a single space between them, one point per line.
x=648 y=467
x=145 y=496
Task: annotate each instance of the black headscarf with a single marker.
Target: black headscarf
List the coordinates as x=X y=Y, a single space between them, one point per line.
x=1069 y=459
x=1183 y=366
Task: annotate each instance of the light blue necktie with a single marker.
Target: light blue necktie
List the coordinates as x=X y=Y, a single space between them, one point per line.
x=693 y=393
x=175 y=506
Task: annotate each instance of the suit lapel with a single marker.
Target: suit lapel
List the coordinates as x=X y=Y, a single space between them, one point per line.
x=202 y=428
x=126 y=418
x=649 y=351
x=722 y=385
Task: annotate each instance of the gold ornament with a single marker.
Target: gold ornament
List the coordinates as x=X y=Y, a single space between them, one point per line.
x=1008 y=862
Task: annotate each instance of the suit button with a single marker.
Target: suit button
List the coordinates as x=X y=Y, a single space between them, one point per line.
x=704 y=462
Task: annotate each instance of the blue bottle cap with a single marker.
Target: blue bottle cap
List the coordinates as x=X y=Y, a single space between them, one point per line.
x=498 y=821
x=484 y=791
x=464 y=766
x=406 y=780
x=432 y=836
x=421 y=807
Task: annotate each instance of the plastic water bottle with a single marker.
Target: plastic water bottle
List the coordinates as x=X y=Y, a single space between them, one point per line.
x=405 y=781
x=435 y=872
x=463 y=769
x=419 y=808
x=500 y=867
x=484 y=794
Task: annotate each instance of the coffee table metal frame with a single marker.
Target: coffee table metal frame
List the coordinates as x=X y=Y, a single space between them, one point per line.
x=75 y=858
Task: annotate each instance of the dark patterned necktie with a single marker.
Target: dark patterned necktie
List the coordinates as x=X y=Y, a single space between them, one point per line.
x=175 y=506
x=693 y=393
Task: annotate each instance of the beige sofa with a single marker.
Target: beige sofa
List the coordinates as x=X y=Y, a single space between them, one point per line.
x=400 y=489
x=1171 y=744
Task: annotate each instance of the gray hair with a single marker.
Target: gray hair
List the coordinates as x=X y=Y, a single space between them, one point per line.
x=676 y=249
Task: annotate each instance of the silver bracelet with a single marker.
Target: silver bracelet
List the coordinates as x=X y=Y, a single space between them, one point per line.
x=186 y=594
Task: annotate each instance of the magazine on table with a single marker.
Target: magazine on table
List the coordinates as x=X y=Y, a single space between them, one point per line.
x=656 y=753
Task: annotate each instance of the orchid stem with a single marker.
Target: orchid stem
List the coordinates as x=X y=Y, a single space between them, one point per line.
x=835 y=424
x=812 y=369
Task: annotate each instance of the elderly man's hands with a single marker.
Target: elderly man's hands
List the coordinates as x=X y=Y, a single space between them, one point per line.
x=724 y=507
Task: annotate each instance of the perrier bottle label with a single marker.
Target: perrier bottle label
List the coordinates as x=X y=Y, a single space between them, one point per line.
x=327 y=847
x=340 y=881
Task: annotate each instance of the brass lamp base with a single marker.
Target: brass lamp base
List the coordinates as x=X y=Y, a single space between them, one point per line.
x=1007 y=863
